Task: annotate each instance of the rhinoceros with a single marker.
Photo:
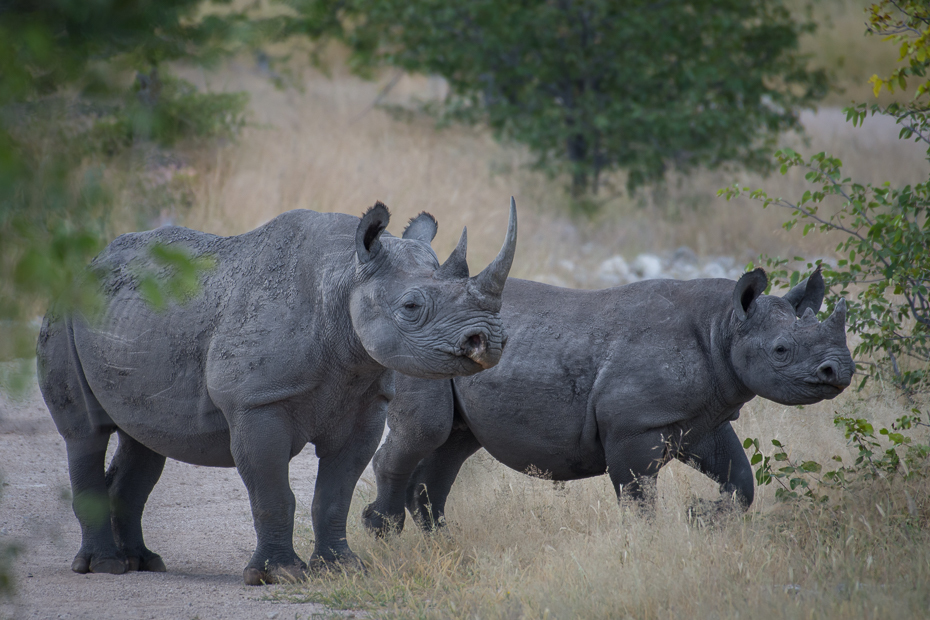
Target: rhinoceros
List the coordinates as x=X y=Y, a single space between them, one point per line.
x=293 y=339
x=618 y=380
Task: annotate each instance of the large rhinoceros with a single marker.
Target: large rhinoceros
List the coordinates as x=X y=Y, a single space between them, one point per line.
x=293 y=340
x=618 y=380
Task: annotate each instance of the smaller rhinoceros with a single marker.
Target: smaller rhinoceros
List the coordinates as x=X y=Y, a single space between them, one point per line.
x=293 y=340
x=620 y=381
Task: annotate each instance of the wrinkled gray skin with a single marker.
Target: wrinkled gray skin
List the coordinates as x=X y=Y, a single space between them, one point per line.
x=620 y=381
x=293 y=340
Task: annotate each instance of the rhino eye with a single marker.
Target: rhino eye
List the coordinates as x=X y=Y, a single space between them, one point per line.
x=780 y=351
x=411 y=305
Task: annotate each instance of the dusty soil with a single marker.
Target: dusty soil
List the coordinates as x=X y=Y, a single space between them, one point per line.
x=197 y=519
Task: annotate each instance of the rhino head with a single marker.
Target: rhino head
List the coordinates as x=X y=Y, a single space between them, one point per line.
x=780 y=350
x=421 y=318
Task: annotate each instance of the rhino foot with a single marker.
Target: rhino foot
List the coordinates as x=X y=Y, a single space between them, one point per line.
x=705 y=512
x=275 y=573
x=345 y=562
x=147 y=562
x=381 y=525
x=112 y=565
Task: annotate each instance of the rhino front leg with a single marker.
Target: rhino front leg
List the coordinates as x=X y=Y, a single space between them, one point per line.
x=432 y=480
x=720 y=456
x=633 y=463
x=335 y=484
x=420 y=421
x=261 y=447
x=132 y=475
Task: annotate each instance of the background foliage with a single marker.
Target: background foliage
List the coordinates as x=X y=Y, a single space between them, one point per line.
x=82 y=84
x=885 y=263
x=593 y=86
x=886 y=230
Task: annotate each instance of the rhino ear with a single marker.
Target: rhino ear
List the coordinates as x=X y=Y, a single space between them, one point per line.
x=748 y=288
x=422 y=227
x=807 y=294
x=367 y=243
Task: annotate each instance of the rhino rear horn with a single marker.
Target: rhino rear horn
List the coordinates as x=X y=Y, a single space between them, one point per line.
x=748 y=288
x=491 y=281
x=422 y=227
x=367 y=243
x=456 y=265
x=807 y=294
x=838 y=318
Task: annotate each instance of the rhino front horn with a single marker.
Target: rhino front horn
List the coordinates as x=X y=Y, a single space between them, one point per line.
x=491 y=281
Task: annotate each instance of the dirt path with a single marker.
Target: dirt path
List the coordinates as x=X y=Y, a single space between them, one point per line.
x=197 y=518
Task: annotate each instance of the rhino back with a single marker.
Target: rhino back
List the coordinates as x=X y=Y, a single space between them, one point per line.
x=166 y=377
x=579 y=363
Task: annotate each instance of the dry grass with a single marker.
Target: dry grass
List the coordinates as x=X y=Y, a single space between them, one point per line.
x=520 y=547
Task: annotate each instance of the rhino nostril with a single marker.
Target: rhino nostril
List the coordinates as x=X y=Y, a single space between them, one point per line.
x=474 y=344
x=828 y=372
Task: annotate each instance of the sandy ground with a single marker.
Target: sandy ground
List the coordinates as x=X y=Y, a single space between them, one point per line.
x=197 y=519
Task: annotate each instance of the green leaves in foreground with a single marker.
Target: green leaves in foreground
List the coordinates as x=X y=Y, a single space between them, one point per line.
x=174 y=275
x=884 y=265
x=894 y=453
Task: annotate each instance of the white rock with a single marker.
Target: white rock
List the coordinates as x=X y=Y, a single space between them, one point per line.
x=613 y=271
x=684 y=256
x=684 y=272
x=647 y=266
x=713 y=269
x=548 y=278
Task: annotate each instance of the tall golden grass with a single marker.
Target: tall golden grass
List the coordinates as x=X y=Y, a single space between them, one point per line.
x=520 y=547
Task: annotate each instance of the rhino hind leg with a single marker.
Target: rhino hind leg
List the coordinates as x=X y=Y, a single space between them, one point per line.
x=90 y=501
x=431 y=481
x=86 y=429
x=130 y=479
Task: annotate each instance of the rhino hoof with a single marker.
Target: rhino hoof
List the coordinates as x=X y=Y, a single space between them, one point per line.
x=112 y=566
x=80 y=565
x=345 y=563
x=150 y=562
x=278 y=574
x=380 y=525
x=254 y=577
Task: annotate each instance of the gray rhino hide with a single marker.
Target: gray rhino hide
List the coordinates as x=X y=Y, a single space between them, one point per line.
x=293 y=340
x=618 y=381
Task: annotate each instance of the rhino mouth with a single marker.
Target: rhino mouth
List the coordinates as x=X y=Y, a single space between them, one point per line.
x=830 y=388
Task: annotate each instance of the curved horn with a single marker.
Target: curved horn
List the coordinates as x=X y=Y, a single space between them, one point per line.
x=838 y=318
x=491 y=281
x=456 y=266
